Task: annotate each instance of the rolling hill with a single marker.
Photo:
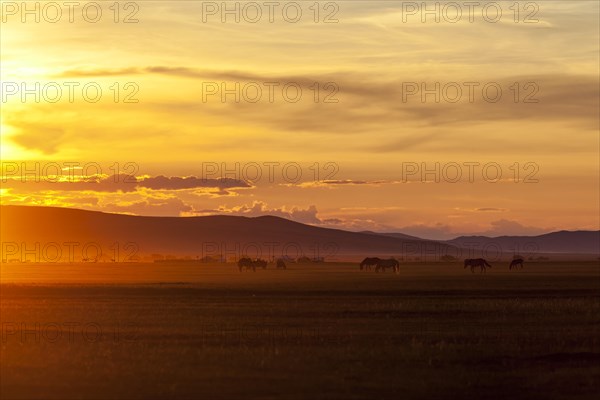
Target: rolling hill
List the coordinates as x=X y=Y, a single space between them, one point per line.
x=229 y=236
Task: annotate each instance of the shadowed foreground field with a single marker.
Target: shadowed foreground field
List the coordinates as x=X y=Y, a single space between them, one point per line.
x=100 y=331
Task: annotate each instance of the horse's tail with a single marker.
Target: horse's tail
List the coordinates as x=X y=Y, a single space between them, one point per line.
x=486 y=264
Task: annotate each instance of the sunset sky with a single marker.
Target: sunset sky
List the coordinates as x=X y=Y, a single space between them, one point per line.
x=364 y=131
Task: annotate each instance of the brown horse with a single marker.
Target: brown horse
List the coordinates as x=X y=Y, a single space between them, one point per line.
x=369 y=262
x=477 y=262
x=281 y=264
x=248 y=263
x=516 y=262
x=389 y=263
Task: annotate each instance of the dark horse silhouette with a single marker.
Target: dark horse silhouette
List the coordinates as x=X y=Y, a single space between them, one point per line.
x=281 y=264
x=516 y=262
x=477 y=262
x=369 y=262
x=248 y=263
x=389 y=263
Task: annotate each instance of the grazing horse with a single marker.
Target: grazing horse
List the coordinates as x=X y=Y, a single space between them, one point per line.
x=281 y=264
x=389 y=263
x=248 y=263
x=477 y=262
x=515 y=262
x=368 y=262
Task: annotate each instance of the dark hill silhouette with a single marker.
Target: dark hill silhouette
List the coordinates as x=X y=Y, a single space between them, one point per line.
x=186 y=235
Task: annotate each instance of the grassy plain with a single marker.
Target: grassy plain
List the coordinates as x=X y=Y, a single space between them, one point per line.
x=330 y=331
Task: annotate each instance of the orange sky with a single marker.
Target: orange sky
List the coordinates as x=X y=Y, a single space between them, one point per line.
x=362 y=121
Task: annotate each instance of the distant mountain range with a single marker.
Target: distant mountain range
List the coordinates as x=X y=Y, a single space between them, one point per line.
x=561 y=242
x=573 y=242
x=33 y=229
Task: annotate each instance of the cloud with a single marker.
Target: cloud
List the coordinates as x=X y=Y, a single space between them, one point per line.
x=369 y=104
x=575 y=95
x=162 y=182
x=303 y=215
x=482 y=209
x=150 y=207
x=436 y=231
x=504 y=227
x=39 y=136
x=72 y=183
x=376 y=106
x=121 y=183
x=260 y=208
x=340 y=182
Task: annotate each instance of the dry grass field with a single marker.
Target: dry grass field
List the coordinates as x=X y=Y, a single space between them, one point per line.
x=330 y=331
